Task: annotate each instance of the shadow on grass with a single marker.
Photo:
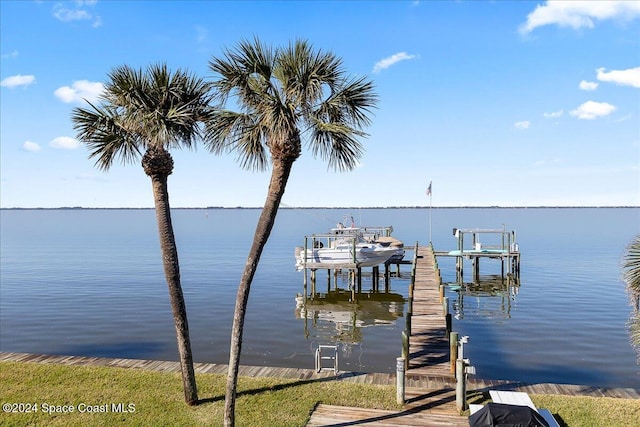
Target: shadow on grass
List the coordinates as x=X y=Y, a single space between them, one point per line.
x=284 y=386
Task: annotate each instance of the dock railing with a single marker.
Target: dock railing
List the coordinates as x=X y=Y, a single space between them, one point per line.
x=330 y=238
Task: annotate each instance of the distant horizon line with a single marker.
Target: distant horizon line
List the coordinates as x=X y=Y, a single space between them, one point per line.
x=339 y=207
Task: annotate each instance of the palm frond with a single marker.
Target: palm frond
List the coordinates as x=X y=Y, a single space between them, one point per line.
x=338 y=144
x=152 y=107
x=288 y=92
x=631 y=266
x=631 y=275
x=245 y=72
x=228 y=131
x=106 y=139
x=634 y=331
x=305 y=75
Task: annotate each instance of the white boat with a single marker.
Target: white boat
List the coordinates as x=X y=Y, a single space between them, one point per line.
x=362 y=246
x=378 y=234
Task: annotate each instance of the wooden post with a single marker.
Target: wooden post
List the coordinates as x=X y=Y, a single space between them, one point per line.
x=306 y=243
x=400 y=364
x=376 y=277
x=460 y=258
x=352 y=283
x=304 y=281
x=405 y=349
x=476 y=269
x=453 y=351
x=413 y=274
x=461 y=386
x=508 y=248
x=447 y=316
x=387 y=276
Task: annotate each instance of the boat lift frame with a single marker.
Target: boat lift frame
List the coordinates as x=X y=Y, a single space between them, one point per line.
x=506 y=250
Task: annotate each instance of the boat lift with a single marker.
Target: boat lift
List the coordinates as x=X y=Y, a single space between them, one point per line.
x=501 y=246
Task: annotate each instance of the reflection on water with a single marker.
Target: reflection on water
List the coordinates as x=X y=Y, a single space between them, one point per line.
x=339 y=315
x=492 y=296
x=338 y=318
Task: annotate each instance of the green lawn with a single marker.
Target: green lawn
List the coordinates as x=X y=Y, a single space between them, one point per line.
x=155 y=399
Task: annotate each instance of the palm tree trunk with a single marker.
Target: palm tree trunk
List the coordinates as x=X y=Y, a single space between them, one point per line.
x=172 y=274
x=277 y=185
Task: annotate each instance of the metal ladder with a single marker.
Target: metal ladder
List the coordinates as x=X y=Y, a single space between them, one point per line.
x=332 y=356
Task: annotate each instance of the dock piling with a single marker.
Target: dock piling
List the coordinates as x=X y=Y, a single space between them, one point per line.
x=400 y=381
x=453 y=351
x=461 y=386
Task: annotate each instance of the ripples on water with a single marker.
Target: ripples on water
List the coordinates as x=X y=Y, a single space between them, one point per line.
x=90 y=282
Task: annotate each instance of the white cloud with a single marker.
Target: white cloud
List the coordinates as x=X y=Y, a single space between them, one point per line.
x=553 y=114
x=18 y=80
x=11 y=55
x=393 y=59
x=67 y=15
x=64 y=142
x=579 y=14
x=525 y=124
x=630 y=77
x=31 y=146
x=79 y=91
x=591 y=110
x=585 y=85
x=76 y=13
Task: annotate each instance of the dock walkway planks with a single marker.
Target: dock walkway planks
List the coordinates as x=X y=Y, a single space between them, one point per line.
x=329 y=415
x=428 y=343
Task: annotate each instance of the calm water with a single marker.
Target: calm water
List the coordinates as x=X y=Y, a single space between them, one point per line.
x=90 y=282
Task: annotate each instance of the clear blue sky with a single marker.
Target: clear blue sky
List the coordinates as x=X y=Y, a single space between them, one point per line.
x=496 y=102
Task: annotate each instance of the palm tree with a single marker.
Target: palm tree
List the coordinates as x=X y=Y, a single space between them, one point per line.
x=285 y=96
x=631 y=272
x=151 y=111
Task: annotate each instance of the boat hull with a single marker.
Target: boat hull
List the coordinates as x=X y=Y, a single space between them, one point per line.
x=364 y=256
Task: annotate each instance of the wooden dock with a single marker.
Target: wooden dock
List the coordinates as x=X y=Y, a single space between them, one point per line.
x=329 y=415
x=428 y=340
